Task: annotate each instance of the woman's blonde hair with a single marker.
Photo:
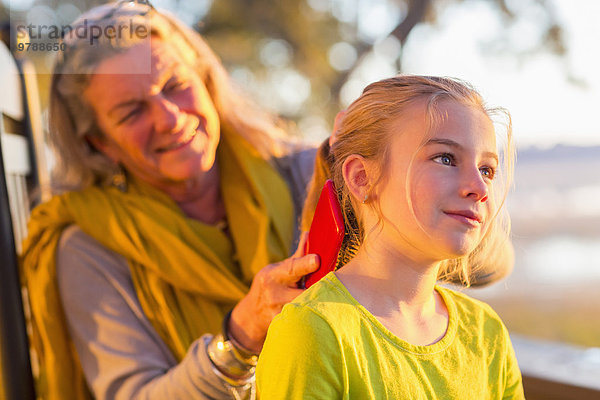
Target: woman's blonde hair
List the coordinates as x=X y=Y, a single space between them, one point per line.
x=72 y=120
x=364 y=130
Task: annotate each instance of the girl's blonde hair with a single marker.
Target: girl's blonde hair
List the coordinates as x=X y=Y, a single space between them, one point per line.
x=72 y=120
x=364 y=131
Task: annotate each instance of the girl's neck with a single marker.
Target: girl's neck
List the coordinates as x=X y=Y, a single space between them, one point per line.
x=391 y=274
x=398 y=291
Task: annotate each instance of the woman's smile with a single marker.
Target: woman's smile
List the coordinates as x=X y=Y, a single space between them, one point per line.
x=181 y=142
x=177 y=145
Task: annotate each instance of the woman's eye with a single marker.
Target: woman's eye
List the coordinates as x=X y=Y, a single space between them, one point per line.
x=488 y=172
x=174 y=86
x=131 y=114
x=445 y=159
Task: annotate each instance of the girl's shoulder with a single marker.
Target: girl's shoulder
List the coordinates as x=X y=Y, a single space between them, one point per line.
x=326 y=293
x=327 y=302
x=462 y=299
x=470 y=311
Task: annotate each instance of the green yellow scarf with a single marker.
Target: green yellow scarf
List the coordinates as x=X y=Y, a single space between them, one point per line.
x=187 y=275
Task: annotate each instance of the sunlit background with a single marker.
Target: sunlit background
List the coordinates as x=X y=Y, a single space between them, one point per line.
x=540 y=59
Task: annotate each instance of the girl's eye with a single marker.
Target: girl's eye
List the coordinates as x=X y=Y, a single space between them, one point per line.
x=488 y=172
x=445 y=159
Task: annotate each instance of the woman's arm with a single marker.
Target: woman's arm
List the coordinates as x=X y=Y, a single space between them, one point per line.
x=275 y=285
x=296 y=168
x=122 y=355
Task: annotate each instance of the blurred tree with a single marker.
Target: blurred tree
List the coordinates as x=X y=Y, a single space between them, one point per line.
x=306 y=59
x=278 y=49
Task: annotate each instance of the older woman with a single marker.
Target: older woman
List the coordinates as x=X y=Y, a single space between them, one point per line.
x=175 y=195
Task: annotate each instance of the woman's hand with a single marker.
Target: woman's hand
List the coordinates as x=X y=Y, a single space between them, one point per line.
x=273 y=287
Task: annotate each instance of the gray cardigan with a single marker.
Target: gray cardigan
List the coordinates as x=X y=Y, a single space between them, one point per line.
x=122 y=355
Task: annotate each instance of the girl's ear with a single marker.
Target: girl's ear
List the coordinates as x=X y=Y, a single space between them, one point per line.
x=356 y=175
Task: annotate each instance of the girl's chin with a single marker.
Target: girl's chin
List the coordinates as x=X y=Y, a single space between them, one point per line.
x=458 y=249
x=461 y=251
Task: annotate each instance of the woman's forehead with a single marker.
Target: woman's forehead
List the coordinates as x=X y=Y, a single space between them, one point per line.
x=107 y=89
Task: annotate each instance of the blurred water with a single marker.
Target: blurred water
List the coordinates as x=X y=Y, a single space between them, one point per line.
x=559 y=259
x=553 y=292
x=554 y=263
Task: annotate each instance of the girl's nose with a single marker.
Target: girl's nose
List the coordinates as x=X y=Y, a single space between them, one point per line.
x=474 y=186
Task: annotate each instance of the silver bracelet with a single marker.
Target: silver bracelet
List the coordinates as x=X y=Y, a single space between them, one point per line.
x=234 y=365
x=242 y=353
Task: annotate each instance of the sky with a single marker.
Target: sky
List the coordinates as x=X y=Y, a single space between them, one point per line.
x=546 y=108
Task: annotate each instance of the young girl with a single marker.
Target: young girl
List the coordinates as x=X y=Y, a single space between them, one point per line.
x=421 y=183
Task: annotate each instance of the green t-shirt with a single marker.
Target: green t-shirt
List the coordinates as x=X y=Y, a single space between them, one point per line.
x=325 y=345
